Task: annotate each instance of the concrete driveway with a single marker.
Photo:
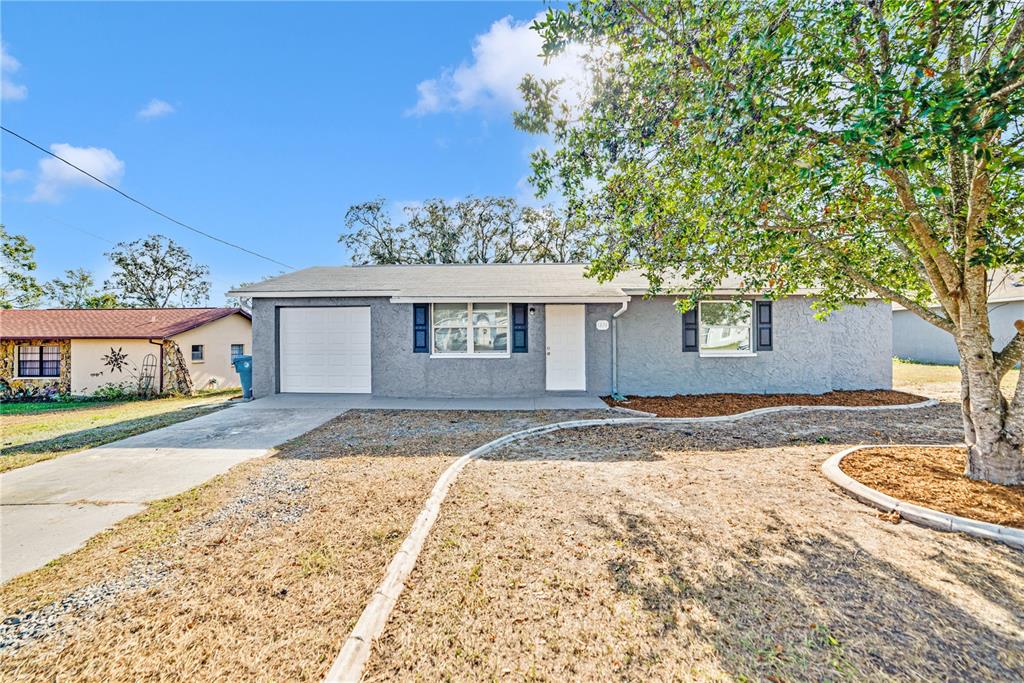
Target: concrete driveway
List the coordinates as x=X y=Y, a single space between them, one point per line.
x=53 y=507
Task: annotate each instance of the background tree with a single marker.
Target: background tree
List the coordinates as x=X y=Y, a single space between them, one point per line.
x=18 y=287
x=868 y=147
x=77 y=289
x=156 y=272
x=245 y=301
x=472 y=230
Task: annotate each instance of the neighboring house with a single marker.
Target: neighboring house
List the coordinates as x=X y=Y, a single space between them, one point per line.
x=917 y=340
x=81 y=350
x=523 y=330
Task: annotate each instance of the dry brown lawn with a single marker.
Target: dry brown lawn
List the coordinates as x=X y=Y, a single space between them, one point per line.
x=716 y=552
x=939 y=381
x=258 y=575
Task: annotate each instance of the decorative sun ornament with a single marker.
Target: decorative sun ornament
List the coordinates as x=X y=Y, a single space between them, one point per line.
x=116 y=360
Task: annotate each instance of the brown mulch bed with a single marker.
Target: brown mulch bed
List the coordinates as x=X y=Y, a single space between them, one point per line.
x=706 y=405
x=934 y=478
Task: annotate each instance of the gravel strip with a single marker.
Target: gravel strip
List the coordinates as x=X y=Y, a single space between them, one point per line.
x=21 y=627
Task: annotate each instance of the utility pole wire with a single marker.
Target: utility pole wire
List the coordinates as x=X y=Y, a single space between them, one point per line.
x=143 y=204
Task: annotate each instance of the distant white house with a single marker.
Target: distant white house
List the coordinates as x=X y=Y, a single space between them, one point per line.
x=917 y=340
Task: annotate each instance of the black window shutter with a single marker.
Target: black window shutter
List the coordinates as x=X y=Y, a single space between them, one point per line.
x=763 y=324
x=690 y=330
x=520 y=316
x=420 y=328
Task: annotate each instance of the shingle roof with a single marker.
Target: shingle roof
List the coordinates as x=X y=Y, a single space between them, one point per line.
x=532 y=281
x=1006 y=286
x=116 y=323
x=1003 y=287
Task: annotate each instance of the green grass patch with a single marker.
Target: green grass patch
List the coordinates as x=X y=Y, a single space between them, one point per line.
x=33 y=436
x=47 y=407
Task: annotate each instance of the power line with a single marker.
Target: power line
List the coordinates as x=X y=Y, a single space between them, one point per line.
x=84 y=232
x=143 y=204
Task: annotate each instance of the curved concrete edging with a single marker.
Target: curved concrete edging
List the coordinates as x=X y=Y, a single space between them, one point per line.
x=917 y=514
x=348 y=666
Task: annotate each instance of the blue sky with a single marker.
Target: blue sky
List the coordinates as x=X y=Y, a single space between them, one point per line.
x=258 y=122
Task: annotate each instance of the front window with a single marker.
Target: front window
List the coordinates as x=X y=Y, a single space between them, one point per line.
x=725 y=328
x=477 y=329
x=237 y=350
x=39 y=361
x=197 y=352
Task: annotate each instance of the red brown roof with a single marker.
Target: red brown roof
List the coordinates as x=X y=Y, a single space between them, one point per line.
x=113 y=323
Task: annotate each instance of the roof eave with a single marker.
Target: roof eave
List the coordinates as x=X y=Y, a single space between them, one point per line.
x=298 y=294
x=527 y=298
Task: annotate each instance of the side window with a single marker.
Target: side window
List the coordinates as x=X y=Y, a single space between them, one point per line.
x=237 y=350
x=197 y=352
x=725 y=327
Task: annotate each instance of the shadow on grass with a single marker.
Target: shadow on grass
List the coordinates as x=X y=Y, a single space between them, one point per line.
x=23 y=454
x=786 y=606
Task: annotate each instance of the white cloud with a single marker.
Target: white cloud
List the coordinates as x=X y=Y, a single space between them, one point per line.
x=55 y=176
x=15 y=175
x=9 y=90
x=501 y=57
x=155 y=109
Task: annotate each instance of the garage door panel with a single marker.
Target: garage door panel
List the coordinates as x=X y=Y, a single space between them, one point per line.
x=325 y=349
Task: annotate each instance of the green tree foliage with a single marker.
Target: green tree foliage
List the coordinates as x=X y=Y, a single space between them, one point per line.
x=156 y=272
x=18 y=287
x=473 y=230
x=77 y=289
x=869 y=147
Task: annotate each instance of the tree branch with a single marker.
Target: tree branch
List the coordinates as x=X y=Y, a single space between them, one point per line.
x=1011 y=353
x=942 y=270
x=886 y=293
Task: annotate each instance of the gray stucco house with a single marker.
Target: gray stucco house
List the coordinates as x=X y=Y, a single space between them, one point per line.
x=505 y=330
x=917 y=340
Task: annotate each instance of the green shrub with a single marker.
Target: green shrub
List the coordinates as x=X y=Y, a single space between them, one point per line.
x=123 y=391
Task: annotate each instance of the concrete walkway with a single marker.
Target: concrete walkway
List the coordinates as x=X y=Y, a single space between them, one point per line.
x=555 y=401
x=53 y=507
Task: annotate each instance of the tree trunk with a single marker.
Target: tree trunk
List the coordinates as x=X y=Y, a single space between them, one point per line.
x=995 y=453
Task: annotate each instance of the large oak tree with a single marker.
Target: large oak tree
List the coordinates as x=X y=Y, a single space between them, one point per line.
x=867 y=147
x=156 y=272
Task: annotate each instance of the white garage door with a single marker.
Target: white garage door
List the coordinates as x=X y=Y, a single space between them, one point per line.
x=325 y=350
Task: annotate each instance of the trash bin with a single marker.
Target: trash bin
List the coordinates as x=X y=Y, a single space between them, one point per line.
x=243 y=366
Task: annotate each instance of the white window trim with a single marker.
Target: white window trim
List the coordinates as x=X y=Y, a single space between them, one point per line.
x=726 y=354
x=203 y=352
x=507 y=353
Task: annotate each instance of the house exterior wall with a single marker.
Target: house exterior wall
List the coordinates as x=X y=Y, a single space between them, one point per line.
x=850 y=351
x=397 y=371
x=917 y=340
x=9 y=365
x=215 y=371
x=89 y=371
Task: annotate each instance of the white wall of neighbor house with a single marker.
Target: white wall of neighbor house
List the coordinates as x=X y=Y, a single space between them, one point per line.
x=90 y=370
x=917 y=340
x=215 y=370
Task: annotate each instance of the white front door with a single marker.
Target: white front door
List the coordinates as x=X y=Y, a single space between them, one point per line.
x=325 y=349
x=564 y=336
